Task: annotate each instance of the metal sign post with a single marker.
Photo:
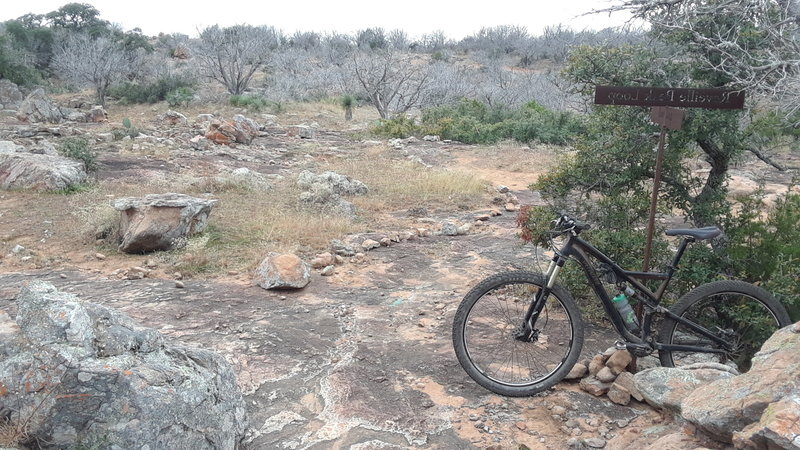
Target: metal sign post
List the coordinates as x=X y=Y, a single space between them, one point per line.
x=661 y=99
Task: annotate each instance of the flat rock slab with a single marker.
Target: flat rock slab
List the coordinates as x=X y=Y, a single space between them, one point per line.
x=332 y=366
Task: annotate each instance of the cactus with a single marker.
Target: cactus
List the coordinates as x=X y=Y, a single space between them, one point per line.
x=126 y=122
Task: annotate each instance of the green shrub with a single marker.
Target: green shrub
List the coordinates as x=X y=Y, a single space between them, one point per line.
x=180 y=97
x=255 y=103
x=149 y=92
x=78 y=148
x=473 y=122
x=397 y=127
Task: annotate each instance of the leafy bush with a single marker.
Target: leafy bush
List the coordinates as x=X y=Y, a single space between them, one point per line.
x=255 y=103
x=151 y=92
x=15 y=71
x=473 y=122
x=397 y=127
x=180 y=97
x=78 y=148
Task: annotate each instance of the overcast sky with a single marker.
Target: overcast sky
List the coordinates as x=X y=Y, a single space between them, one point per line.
x=456 y=18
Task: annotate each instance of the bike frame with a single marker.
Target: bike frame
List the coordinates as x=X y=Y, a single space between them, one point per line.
x=580 y=250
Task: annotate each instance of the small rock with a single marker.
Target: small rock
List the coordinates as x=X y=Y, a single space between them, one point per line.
x=482 y=217
x=577 y=371
x=177 y=276
x=597 y=363
x=619 y=395
x=605 y=375
x=449 y=228
x=369 y=244
x=594 y=386
x=510 y=207
x=618 y=361
x=281 y=271
x=495 y=213
x=17 y=249
x=595 y=442
x=340 y=248
x=386 y=242
x=625 y=380
x=179 y=284
x=502 y=189
x=328 y=271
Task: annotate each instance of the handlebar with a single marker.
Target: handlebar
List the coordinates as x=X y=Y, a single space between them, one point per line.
x=567 y=224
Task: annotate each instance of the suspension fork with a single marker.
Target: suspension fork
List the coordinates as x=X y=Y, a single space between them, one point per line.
x=538 y=303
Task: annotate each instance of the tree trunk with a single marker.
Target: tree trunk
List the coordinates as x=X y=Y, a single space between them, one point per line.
x=702 y=215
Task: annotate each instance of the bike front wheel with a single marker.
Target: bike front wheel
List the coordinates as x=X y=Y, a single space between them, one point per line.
x=742 y=314
x=486 y=335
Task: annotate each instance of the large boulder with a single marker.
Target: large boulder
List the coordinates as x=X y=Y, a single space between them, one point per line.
x=10 y=95
x=80 y=374
x=23 y=170
x=160 y=221
x=240 y=130
x=283 y=271
x=38 y=107
x=667 y=387
x=765 y=396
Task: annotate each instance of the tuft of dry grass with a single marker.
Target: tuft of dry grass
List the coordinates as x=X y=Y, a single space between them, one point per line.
x=12 y=433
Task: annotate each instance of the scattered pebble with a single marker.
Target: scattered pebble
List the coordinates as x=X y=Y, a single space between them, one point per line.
x=179 y=284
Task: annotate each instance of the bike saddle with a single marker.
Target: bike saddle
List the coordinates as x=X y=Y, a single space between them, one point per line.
x=697 y=233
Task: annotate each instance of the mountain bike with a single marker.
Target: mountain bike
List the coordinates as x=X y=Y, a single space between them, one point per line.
x=518 y=333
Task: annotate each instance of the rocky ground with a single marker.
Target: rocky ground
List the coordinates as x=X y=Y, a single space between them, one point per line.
x=360 y=359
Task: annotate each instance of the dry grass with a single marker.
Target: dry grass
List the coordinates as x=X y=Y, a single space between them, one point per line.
x=400 y=184
x=12 y=433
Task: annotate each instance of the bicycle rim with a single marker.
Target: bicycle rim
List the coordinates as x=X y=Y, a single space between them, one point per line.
x=490 y=343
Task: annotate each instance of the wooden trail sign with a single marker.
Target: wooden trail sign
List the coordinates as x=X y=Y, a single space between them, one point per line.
x=669 y=118
x=677 y=97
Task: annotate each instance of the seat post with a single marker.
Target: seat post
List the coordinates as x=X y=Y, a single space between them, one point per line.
x=679 y=254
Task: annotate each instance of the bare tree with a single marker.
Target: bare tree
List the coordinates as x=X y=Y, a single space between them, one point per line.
x=99 y=62
x=232 y=55
x=394 y=81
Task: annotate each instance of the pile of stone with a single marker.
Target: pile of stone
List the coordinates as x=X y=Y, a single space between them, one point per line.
x=76 y=374
x=607 y=374
x=506 y=199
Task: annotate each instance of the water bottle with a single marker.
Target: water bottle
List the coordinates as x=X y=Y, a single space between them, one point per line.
x=625 y=310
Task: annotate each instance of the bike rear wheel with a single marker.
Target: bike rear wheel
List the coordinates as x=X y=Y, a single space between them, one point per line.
x=741 y=313
x=484 y=335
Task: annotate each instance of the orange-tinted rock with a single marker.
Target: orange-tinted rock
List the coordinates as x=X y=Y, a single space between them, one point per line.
x=282 y=271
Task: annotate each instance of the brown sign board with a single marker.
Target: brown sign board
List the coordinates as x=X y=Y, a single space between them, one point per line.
x=671 y=118
x=678 y=97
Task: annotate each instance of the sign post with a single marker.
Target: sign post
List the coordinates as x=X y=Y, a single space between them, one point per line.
x=665 y=113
